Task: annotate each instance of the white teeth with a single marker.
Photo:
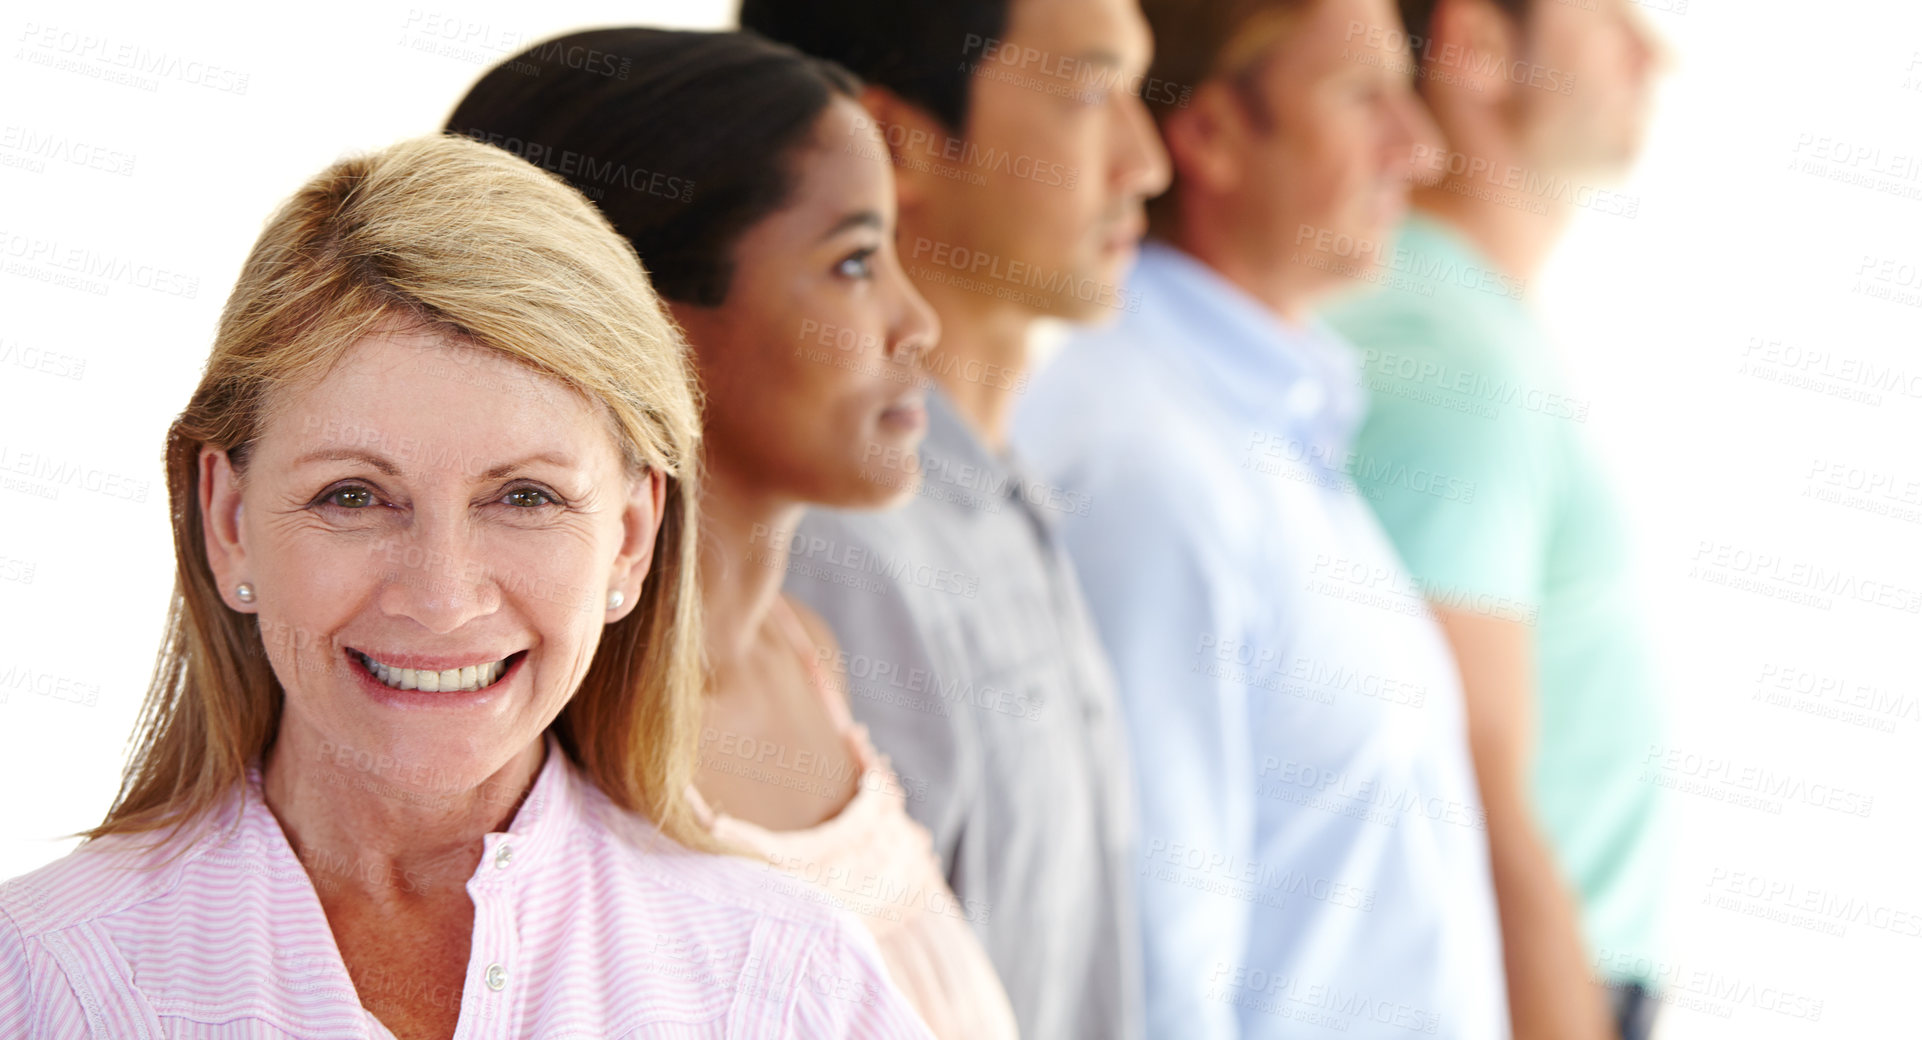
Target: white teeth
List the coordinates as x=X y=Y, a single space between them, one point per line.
x=469 y=678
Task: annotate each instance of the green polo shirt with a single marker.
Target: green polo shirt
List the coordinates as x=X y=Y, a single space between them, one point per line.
x=1474 y=455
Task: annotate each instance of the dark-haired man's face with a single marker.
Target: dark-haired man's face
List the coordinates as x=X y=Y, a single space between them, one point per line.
x=1044 y=205
x=1607 y=55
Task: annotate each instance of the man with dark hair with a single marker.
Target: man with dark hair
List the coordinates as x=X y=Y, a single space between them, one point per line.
x=1022 y=154
x=922 y=53
x=1542 y=105
x=1315 y=856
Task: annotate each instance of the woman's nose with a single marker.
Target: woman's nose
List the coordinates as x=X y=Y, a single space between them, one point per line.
x=433 y=576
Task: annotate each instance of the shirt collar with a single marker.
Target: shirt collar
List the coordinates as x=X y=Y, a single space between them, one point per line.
x=1430 y=236
x=1298 y=378
x=540 y=825
x=275 y=906
x=951 y=444
x=950 y=440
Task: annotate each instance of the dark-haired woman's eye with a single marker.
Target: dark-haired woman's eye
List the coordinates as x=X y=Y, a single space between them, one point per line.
x=859 y=264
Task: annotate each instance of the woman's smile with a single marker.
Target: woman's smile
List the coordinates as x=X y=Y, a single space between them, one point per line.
x=411 y=672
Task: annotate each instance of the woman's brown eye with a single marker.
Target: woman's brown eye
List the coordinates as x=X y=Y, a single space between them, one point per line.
x=527 y=497
x=857 y=265
x=352 y=498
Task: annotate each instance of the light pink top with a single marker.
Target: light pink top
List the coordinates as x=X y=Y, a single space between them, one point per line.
x=876 y=861
x=586 y=924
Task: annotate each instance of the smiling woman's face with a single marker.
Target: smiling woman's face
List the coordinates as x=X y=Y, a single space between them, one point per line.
x=431 y=531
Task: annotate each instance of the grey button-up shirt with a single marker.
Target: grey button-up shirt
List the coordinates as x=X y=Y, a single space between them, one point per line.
x=971 y=658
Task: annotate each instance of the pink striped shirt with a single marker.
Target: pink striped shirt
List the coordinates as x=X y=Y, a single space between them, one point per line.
x=586 y=924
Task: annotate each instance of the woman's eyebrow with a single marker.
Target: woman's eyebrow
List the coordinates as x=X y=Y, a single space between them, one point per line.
x=374 y=459
x=554 y=458
x=867 y=218
x=388 y=467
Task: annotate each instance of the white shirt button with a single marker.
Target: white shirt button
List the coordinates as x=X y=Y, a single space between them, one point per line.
x=496 y=977
x=503 y=856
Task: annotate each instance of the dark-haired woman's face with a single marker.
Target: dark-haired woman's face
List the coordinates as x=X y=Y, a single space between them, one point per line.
x=809 y=364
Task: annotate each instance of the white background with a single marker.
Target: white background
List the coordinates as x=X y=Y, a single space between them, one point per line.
x=1746 y=234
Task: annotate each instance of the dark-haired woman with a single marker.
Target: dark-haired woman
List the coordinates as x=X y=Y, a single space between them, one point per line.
x=758 y=195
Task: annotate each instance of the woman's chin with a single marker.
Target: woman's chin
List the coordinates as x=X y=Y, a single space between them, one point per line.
x=425 y=771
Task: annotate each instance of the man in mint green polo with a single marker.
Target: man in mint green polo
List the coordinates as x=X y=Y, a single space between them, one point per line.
x=1475 y=459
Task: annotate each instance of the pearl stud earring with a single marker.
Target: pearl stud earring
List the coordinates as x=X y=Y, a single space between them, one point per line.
x=615 y=597
x=244 y=592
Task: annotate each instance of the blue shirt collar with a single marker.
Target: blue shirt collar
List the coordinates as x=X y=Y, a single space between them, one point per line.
x=1299 y=379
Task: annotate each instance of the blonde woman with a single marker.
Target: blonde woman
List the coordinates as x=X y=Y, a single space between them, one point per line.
x=414 y=759
x=758 y=193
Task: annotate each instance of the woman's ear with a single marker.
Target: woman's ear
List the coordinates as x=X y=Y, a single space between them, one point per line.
x=220 y=526
x=641 y=526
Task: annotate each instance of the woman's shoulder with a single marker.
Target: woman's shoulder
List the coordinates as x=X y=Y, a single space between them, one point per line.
x=688 y=915
x=813 y=624
x=718 y=888
x=100 y=879
x=139 y=895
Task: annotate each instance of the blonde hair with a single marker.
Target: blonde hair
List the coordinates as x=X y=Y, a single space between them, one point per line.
x=476 y=243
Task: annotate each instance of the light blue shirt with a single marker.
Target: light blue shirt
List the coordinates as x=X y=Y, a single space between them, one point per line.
x=1313 y=852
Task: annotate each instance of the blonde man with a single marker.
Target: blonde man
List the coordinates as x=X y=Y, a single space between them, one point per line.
x=1313 y=858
